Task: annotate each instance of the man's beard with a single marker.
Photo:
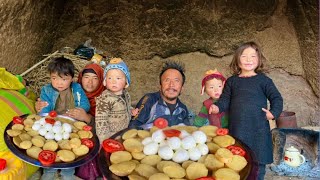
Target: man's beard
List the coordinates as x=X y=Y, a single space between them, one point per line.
x=170 y=98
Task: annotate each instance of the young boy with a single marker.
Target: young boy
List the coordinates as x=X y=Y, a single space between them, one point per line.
x=212 y=84
x=62 y=94
x=114 y=104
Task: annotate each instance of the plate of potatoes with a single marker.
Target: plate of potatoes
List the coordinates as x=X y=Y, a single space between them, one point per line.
x=134 y=164
x=26 y=143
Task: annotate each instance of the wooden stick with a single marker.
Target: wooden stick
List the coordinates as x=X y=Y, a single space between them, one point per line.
x=34 y=66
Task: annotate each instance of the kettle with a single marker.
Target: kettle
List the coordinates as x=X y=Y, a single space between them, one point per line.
x=292 y=157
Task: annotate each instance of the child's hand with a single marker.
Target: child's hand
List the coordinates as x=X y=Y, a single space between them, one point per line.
x=78 y=114
x=268 y=114
x=134 y=112
x=40 y=104
x=213 y=109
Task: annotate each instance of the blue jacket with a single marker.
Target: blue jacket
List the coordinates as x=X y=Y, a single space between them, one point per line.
x=50 y=94
x=152 y=106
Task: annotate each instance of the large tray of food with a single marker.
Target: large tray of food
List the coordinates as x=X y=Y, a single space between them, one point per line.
x=177 y=152
x=52 y=141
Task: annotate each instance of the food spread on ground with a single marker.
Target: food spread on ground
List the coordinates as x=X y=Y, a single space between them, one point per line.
x=51 y=139
x=177 y=152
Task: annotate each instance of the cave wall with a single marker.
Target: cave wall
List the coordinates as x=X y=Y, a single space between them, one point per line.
x=201 y=33
x=27 y=31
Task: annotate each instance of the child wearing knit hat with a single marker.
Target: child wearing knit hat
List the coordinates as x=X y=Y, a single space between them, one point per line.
x=113 y=111
x=212 y=85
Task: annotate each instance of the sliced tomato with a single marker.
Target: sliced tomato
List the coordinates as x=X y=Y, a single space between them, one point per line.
x=236 y=150
x=17 y=120
x=47 y=157
x=206 y=178
x=50 y=120
x=3 y=164
x=160 y=123
x=86 y=128
x=53 y=114
x=172 y=133
x=111 y=145
x=87 y=142
x=222 y=131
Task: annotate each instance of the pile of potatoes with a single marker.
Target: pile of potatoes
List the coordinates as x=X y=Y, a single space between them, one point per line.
x=219 y=163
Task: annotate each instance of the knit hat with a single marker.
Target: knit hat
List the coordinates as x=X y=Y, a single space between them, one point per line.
x=211 y=74
x=117 y=63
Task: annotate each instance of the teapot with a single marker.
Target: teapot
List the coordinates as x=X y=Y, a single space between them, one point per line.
x=292 y=157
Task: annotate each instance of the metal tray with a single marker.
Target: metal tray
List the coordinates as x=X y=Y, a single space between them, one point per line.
x=248 y=173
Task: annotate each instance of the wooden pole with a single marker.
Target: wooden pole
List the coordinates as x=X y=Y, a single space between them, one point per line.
x=34 y=66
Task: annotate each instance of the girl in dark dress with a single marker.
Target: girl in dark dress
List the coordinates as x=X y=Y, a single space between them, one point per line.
x=245 y=97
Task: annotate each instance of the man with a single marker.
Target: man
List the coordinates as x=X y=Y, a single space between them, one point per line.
x=164 y=103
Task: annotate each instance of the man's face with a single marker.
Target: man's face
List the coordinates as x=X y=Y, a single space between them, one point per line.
x=60 y=83
x=171 y=85
x=90 y=82
x=214 y=88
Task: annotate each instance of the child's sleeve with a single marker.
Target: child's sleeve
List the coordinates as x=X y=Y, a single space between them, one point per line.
x=144 y=106
x=44 y=97
x=103 y=108
x=202 y=118
x=275 y=99
x=81 y=99
x=224 y=100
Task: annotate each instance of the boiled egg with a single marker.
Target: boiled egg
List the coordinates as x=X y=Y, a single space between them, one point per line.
x=200 y=137
x=174 y=143
x=151 y=148
x=203 y=148
x=188 y=142
x=194 y=154
x=165 y=152
x=180 y=156
x=158 y=136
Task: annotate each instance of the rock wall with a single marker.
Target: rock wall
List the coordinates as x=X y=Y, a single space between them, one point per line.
x=202 y=34
x=27 y=31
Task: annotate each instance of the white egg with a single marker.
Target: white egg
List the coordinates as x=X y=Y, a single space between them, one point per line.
x=57 y=129
x=42 y=131
x=37 y=122
x=58 y=136
x=36 y=126
x=194 y=154
x=151 y=148
x=48 y=126
x=174 y=143
x=57 y=123
x=158 y=136
x=49 y=135
x=65 y=135
x=200 y=137
x=163 y=143
x=180 y=156
x=165 y=152
x=42 y=121
x=188 y=142
x=146 y=141
x=184 y=134
x=66 y=127
x=203 y=148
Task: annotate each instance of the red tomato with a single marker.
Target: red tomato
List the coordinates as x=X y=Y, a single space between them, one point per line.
x=47 y=157
x=86 y=128
x=236 y=150
x=3 y=164
x=222 y=131
x=50 y=120
x=206 y=178
x=53 y=114
x=172 y=133
x=17 y=120
x=111 y=145
x=87 y=142
x=160 y=123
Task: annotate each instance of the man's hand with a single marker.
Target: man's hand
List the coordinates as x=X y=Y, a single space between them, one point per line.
x=40 y=104
x=268 y=114
x=134 y=112
x=213 y=109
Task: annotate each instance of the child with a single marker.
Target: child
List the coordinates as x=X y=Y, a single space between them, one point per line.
x=245 y=97
x=113 y=105
x=62 y=94
x=212 y=84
